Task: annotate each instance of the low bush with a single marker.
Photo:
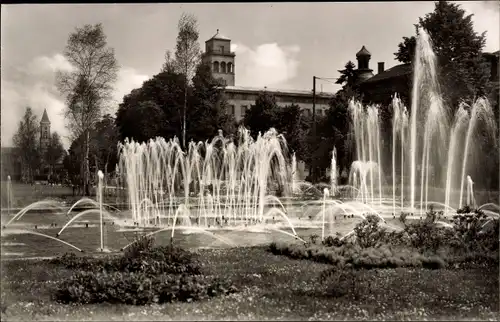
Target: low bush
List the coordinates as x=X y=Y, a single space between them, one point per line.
x=140 y=257
x=368 y=232
x=138 y=288
x=359 y=258
x=144 y=274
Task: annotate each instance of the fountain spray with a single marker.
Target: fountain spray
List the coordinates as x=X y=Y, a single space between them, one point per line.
x=325 y=196
x=100 y=176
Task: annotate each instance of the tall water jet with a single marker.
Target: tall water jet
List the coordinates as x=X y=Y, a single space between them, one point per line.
x=10 y=197
x=481 y=111
x=325 y=196
x=470 y=193
x=100 y=176
x=366 y=124
x=425 y=107
x=399 y=129
x=333 y=172
x=294 y=174
x=459 y=124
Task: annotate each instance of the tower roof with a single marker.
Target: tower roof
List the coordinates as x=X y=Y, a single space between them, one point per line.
x=219 y=36
x=363 y=52
x=45 y=117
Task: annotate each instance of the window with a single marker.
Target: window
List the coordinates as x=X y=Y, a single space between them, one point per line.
x=223 y=67
x=221 y=48
x=229 y=67
x=308 y=112
x=243 y=110
x=231 y=109
x=216 y=66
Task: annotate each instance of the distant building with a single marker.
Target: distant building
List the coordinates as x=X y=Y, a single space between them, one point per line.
x=11 y=162
x=44 y=131
x=379 y=88
x=222 y=61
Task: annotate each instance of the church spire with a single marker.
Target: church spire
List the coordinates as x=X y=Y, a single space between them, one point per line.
x=45 y=117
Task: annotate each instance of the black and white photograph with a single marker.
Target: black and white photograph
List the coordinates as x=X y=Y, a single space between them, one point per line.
x=250 y=161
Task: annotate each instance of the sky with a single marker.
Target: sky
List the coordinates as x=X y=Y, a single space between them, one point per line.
x=278 y=45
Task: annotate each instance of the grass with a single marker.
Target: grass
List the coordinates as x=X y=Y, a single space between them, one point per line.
x=26 y=194
x=271 y=288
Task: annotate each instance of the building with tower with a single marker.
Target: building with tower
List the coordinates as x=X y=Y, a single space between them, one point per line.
x=363 y=72
x=379 y=88
x=218 y=54
x=240 y=99
x=44 y=131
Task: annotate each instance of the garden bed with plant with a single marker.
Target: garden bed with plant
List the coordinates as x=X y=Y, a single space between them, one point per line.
x=168 y=283
x=470 y=241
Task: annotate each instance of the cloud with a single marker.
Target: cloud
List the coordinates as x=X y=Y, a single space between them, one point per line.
x=34 y=85
x=265 y=65
x=128 y=79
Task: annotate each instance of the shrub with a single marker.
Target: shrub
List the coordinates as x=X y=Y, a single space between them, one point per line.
x=150 y=261
x=313 y=238
x=368 y=232
x=471 y=232
x=144 y=274
x=137 y=288
x=360 y=258
x=334 y=241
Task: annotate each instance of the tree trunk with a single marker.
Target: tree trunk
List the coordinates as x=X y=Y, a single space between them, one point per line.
x=184 y=116
x=86 y=177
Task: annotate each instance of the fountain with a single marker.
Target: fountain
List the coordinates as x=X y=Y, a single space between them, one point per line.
x=222 y=179
x=418 y=143
x=239 y=184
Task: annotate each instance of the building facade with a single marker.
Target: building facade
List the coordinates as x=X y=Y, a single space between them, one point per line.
x=11 y=164
x=379 y=88
x=240 y=99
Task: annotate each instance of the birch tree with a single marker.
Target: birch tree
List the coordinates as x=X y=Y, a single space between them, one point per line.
x=88 y=86
x=187 y=57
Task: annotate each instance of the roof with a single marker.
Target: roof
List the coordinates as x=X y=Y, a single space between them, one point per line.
x=363 y=52
x=289 y=92
x=45 y=117
x=493 y=54
x=496 y=53
x=219 y=36
x=396 y=71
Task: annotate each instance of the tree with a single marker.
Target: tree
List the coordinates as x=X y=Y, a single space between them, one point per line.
x=208 y=107
x=187 y=57
x=462 y=70
x=294 y=125
x=348 y=75
x=262 y=116
x=89 y=85
x=54 y=152
x=106 y=144
x=164 y=93
x=142 y=121
x=406 y=51
x=26 y=142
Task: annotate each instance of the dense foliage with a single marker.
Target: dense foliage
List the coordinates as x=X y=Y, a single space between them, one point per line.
x=143 y=275
x=155 y=108
x=473 y=238
x=458 y=47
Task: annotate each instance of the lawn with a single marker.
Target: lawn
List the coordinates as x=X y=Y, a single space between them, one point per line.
x=272 y=288
x=26 y=194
